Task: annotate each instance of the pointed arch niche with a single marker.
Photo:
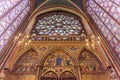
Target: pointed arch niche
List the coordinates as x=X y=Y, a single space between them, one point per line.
x=58 y=61
x=91 y=67
x=27 y=62
x=50 y=76
x=67 y=75
x=25 y=67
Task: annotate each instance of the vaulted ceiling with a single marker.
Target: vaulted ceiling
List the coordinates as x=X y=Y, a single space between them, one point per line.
x=59 y=2
x=79 y=3
x=38 y=2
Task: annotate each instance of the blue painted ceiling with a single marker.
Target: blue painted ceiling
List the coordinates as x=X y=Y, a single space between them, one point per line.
x=59 y=2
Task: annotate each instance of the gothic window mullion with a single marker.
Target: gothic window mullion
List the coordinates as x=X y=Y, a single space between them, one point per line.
x=113 y=23
x=105 y=25
x=107 y=13
x=113 y=1
x=13 y=21
x=7 y=12
x=16 y=12
x=58 y=24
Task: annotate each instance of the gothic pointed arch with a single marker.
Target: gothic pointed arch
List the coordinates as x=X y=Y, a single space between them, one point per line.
x=89 y=62
x=66 y=9
x=51 y=75
x=55 y=50
x=58 y=60
x=67 y=75
x=58 y=23
x=22 y=52
x=27 y=62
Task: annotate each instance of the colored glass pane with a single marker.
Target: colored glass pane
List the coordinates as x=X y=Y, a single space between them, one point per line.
x=106 y=14
x=58 y=24
x=12 y=12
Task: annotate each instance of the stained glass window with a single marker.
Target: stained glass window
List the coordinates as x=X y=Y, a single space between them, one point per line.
x=58 y=23
x=106 y=14
x=12 y=12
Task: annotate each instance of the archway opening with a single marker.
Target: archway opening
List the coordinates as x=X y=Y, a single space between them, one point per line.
x=49 y=76
x=59 y=61
x=67 y=75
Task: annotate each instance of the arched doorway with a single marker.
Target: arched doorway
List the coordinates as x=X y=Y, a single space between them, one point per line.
x=49 y=76
x=67 y=75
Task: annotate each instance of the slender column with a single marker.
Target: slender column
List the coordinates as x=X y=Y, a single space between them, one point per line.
x=78 y=74
x=39 y=72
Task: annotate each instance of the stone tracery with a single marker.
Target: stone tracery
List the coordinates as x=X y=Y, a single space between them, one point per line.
x=58 y=23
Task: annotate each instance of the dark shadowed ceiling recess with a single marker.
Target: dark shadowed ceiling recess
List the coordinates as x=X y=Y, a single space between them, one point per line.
x=59 y=2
